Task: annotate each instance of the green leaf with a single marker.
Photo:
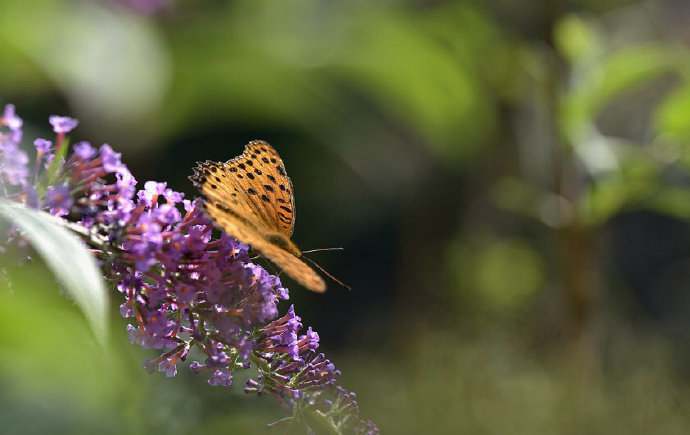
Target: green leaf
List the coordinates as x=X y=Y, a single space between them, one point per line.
x=616 y=74
x=51 y=173
x=576 y=38
x=673 y=118
x=635 y=66
x=65 y=255
x=673 y=201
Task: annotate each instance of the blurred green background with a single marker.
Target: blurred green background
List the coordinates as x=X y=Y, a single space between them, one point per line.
x=509 y=179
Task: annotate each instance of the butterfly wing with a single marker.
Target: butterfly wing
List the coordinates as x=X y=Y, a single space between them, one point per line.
x=250 y=197
x=260 y=173
x=245 y=232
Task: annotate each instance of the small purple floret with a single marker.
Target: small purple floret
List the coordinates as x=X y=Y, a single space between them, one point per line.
x=59 y=199
x=62 y=124
x=84 y=150
x=13 y=164
x=42 y=145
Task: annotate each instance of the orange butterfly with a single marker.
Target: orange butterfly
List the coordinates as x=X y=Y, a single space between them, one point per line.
x=250 y=198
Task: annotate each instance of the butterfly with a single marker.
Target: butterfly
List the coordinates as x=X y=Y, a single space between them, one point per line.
x=250 y=197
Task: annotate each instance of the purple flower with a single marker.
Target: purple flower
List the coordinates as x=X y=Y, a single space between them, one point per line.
x=168 y=367
x=281 y=335
x=166 y=214
x=195 y=367
x=188 y=205
x=145 y=338
x=59 y=200
x=126 y=310
x=62 y=124
x=310 y=340
x=185 y=293
x=220 y=378
x=10 y=118
x=31 y=195
x=42 y=145
x=13 y=163
x=173 y=197
x=151 y=192
x=125 y=188
x=182 y=286
x=13 y=122
x=84 y=150
x=111 y=160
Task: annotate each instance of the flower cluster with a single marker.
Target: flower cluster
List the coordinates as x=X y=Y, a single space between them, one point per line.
x=184 y=288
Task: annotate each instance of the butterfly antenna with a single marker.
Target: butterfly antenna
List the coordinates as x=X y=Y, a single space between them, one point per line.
x=322 y=249
x=322 y=269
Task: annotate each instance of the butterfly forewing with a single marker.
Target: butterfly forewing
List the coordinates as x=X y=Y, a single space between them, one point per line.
x=260 y=174
x=250 y=197
x=293 y=266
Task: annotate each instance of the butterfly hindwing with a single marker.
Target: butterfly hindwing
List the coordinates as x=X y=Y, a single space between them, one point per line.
x=244 y=232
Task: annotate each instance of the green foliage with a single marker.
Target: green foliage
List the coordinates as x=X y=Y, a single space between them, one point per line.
x=500 y=276
x=73 y=265
x=577 y=39
x=51 y=363
x=672 y=119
